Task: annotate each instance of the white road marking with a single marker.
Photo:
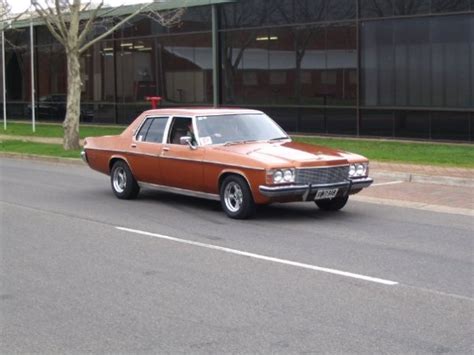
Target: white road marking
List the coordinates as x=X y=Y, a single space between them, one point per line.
x=263 y=257
x=389 y=183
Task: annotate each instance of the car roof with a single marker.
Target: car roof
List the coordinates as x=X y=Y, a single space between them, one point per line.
x=201 y=111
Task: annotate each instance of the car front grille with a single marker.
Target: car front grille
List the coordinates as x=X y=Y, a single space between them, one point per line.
x=322 y=175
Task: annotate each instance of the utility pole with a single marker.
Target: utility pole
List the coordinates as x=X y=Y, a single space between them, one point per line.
x=33 y=106
x=3 y=83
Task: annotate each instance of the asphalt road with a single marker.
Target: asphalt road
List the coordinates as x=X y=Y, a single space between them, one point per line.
x=370 y=278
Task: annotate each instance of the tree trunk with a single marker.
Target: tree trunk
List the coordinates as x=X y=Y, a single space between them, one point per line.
x=73 y=108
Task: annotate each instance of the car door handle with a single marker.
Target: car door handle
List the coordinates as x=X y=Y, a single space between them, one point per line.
x=166 y=149
x=133 y=145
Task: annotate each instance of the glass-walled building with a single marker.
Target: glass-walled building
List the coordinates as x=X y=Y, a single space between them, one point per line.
x=385 y=68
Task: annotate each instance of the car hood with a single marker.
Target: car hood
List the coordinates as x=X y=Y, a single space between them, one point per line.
x=289 y=153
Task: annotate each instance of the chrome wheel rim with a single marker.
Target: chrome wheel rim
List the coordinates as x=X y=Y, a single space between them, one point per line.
x=233 y=197
x=120 y=180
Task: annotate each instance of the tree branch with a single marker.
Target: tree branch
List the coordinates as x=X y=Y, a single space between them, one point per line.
x=112 y=29
x=88 y=26
x=50 y=20
x=51 y=23
x=60 y=17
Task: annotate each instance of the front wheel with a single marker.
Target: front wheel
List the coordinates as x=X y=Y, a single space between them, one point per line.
x=333 y=204
x=236 y=198
x=123 y=183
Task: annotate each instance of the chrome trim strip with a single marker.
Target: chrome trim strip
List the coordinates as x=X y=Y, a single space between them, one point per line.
x=361 y=183
x=180 y=191
x=281 y=191
x=177 y=158
x=305 y=190
x=292 y=189
x=241 y=112
x=322 y=167
x=124 y=152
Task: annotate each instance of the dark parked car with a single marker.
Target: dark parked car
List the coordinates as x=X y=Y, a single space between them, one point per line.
x=53 y=107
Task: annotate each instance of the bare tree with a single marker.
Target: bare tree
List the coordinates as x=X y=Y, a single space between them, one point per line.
x=236 y=43
x=4 y=10
x=7 y=18
x=72 y=24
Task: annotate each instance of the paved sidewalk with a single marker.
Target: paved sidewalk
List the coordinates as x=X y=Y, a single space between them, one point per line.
x=434 y=188
x=450 y=176
x=444 y=198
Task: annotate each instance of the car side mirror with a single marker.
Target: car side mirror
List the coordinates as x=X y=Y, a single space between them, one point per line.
x=187 y=140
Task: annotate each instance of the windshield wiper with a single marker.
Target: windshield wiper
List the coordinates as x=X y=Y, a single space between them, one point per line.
x=279 y=138
x=240 y=142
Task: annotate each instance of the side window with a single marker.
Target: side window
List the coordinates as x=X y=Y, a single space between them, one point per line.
x=180 y=127
x=156 y=130
x=144 y=129
x=152 y=130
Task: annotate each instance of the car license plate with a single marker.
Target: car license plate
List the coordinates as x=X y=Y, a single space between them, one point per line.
x=326 y=193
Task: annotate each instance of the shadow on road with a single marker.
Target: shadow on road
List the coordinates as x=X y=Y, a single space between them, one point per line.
x=278 y=211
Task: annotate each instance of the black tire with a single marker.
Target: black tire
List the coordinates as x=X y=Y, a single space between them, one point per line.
x=123 y=183
x=236 y=198
x=334 y=204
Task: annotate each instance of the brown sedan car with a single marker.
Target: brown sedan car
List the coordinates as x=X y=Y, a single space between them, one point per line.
x=240 y=157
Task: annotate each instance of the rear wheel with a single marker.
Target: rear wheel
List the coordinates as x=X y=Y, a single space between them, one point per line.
x=236 y=198
x=123 y=183
x=333 y=204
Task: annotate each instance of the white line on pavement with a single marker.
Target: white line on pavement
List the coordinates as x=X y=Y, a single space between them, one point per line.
x=262 y=257
x=389 y=183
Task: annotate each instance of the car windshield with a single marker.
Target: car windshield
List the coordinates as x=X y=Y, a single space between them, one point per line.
x=238 y=128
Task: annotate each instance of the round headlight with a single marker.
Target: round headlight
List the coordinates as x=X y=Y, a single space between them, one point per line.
x=277 y=176
x=352 y=170
x=360 y=170
x=288 y=175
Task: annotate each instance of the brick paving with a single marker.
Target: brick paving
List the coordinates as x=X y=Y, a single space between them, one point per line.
x=442 y=195
x=439 y=194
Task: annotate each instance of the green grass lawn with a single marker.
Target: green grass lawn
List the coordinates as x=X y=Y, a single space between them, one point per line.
x=55 y=150
x=457 y=155
x=461 y=155
x=56 y=130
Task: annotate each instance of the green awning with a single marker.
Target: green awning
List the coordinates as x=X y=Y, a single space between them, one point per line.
x=128 y=9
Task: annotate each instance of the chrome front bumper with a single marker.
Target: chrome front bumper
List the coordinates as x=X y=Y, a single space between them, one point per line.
x=84 y=156
x=307 y=191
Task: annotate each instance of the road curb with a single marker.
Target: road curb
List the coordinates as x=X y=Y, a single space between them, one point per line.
x=73 y=161
x=424 y=179
x=44 y=140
